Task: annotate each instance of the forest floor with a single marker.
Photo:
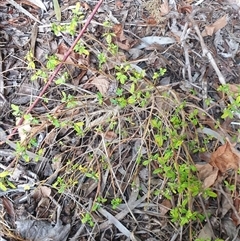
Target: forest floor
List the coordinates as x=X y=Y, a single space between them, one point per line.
x=128 y=130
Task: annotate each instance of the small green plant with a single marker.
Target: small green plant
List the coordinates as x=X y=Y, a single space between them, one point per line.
x=87 y=219
x=78 y=127
x=159 y=74
x=62 y=79
x=81 y=49
x=232 y=107
x=98 y=203
x=16 y=110
x=52 y=62
x=116 y=202
x=230 y=187
x=102 y=59
x=70 y=28
x=4 y=182
x=69 y=99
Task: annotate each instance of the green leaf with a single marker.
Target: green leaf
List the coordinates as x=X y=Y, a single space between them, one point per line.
x=3 y=187
x=4 y=174
x=57 y=10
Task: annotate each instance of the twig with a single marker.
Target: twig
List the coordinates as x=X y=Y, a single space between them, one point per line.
x=51 y=78
x=24 y=11
x=206 y=52
x=185 y=46
x=206 y=215
x=229 y=201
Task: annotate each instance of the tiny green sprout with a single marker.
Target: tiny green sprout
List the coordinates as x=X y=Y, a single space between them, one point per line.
x=81 y=49
x=4 y=182
x=116 y=202
x=30 y=59
x=119 y=92
x=121 y=77
x=224 y=88
x=54 y=120
x=39 y=74
x=60 y=185
x=78 y=127
x=57 y=28
x=108 y=37
x=52 y=62
x=227 y=113
x=62 y=79
x=107 y=24
x=102 y=58
x=100 y=98
x=231 y=187
x=69 y=99
x=113 y=48
x=16 y=110
x=208 y=101
x=160 y=73
x=87 y=219
x=98 y=203
x=93 y=175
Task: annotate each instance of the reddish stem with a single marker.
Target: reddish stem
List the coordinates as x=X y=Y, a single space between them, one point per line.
x=51 y=78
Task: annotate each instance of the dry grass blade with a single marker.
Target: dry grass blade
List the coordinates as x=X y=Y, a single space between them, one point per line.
x=24 y=11
x=120 y=227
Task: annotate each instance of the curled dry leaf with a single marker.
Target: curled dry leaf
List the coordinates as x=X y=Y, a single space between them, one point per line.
x=213 y=28
x=164 y=8
x=102 y=84
x=208 y=174
x=110 y=135
x=24 y=129
x=165 y=206
x=226 y=157
x=120 y=39
x=41 y=192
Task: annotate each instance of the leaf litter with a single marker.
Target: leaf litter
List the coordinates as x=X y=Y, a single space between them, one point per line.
x=90 y=152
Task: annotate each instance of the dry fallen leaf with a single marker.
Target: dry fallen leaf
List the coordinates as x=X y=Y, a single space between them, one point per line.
x=164 y=8
x=24 y=129
x=110 y=135
x=208 y=174
x=226 y=157
x=165 y=206
x=120 y=39
x=102 y=83
x=235 y=89
x=213 y=28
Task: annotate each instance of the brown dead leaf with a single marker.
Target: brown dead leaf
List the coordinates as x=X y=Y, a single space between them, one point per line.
x=119 y=4
x=208 y=174
x=7 y=204
x=73 y=58
x=164 y=8
x=165 y=206
x=235 y=89
x=120 y=39
x=236 y=203
x=213 y=28
x=184 y=9
x=226 y=157
x=41 y=192
x=102 y=84
x=110 y=135
x=150 y=20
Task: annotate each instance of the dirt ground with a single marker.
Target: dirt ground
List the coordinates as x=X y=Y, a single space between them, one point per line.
x=119 y=120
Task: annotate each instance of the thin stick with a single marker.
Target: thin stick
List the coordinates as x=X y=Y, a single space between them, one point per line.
x=51 y=78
